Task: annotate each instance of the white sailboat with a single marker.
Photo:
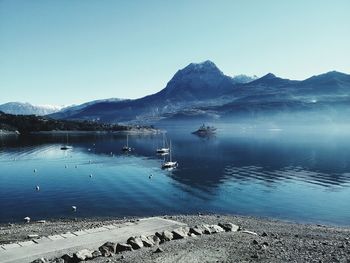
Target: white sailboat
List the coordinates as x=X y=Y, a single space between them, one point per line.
x=170 y=163
x=126 y=147
x=66 y=146
x=164 y=149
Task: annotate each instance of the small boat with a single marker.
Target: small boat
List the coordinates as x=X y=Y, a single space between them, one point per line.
x=164 y=150
x=170 y=164
x=66 y=147
x=205 y=130
x=126 y=147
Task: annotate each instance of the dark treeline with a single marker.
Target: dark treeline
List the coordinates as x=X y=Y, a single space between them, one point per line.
x=31 y=123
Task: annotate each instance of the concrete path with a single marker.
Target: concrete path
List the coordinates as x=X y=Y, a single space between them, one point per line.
x=57 y=245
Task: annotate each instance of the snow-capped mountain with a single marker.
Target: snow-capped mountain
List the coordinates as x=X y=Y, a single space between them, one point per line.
x=197 y=81
x=20 y=108
x=202 y=90
x=25 y=108
x=195 y=84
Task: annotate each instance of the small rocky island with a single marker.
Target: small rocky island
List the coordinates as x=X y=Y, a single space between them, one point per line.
x=205 y=131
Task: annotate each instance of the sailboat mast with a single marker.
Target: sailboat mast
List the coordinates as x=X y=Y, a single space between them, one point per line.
x=170 y=152
x=127 y=140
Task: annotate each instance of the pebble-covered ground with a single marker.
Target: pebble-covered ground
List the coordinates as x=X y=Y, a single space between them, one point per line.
x=10 y=233
x=276 y=241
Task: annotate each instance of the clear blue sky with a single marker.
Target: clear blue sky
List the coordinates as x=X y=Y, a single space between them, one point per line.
x=72 y=51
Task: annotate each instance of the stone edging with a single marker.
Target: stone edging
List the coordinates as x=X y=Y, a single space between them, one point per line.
x=137 y=242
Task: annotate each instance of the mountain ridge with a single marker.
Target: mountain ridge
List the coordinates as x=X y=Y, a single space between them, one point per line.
x=201 y=85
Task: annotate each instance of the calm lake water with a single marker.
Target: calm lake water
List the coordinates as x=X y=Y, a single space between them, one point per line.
x=260 y=172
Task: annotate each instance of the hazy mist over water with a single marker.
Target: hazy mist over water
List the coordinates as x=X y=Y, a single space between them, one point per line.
x=300 y=174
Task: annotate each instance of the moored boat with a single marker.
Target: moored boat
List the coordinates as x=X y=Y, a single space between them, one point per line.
x=126 y=147
x=164 y=149
x=169 y=164
x=66 y=146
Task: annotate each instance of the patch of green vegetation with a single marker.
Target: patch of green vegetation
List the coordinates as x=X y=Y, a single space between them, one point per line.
x=30 y=123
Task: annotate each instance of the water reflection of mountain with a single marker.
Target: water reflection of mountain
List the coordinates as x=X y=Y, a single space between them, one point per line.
x=207 y=164
x=263 y=174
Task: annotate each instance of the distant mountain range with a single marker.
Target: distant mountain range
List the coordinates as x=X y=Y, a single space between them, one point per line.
x=198 y=84
x=66 y=112
x=202 y=91
x=25 y=108
x=28 y=109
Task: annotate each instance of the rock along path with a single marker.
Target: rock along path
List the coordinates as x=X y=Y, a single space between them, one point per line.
x=57 y=245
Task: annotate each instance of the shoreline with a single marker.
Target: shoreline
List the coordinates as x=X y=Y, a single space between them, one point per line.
x=131 y=131
x=75 y=220
x=286 y=241
x=8 y=133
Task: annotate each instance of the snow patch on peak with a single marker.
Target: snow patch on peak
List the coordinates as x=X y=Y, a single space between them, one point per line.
x=244 y=78
x=51 y=107
x=206 y=63
x=202 y=67
x=28 y=109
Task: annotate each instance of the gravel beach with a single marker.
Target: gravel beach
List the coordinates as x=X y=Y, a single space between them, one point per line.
x=276 y=241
